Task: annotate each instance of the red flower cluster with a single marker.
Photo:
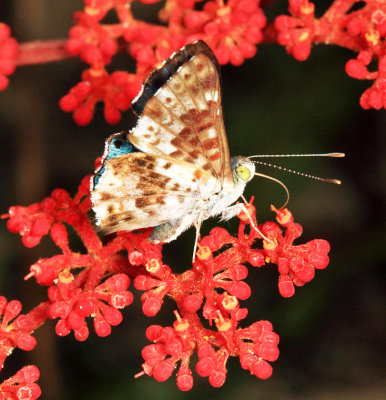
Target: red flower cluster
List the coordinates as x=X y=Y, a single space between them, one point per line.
x=73 y=304
x=115 y=90
x=254 y=346
x=232 y=29
x=362 y=30
x=95 y=285
x=14 y=331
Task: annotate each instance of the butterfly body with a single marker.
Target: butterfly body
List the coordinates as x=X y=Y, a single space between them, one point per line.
x=217 y=204
x=173 y=170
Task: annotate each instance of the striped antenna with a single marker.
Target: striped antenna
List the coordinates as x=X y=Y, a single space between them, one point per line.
x=299 y=155
x=336 y=181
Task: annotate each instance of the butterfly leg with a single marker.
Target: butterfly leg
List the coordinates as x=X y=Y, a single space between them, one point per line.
x=231 y=211
x=197 y=225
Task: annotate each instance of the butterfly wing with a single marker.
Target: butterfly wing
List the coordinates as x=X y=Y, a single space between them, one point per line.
x=181 y=113
x=140 y=190
x=181 y=155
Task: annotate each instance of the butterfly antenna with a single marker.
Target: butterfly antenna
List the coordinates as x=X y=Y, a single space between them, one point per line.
x=277 y=181
x=299 y=155
x=318 y=178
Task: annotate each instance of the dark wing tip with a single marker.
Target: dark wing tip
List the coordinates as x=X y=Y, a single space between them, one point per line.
x=158 y=77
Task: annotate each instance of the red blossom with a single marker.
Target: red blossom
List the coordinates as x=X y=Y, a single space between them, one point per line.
x=22 y=385
x=16 y=328
x=72 y=305
x=254 y=345
x=115 y=90
x=92 y=44
x=363 y=31
x=232 y=28
x=8 y=54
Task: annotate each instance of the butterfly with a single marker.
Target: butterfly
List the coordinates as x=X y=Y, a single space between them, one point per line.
x=173 y=170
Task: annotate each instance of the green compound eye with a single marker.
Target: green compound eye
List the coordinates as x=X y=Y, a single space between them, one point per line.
x=243 y=172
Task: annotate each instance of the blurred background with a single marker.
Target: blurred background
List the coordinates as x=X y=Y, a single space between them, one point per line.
x=331 y=331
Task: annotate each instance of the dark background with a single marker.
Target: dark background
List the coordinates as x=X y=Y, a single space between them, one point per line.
x=331 y=331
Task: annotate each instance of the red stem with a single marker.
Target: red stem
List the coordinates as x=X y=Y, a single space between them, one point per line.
x=41 y=51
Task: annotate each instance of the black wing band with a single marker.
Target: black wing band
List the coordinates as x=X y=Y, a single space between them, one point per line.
x=158 y=77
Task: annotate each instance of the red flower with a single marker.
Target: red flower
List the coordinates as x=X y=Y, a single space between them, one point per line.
x=296 y=33
x=94 y=43
x=22 y=385
x=231 y=29
x=363 y=30
x=95 y=284
x=8 y=53
x=15 y=329
x=115 y=90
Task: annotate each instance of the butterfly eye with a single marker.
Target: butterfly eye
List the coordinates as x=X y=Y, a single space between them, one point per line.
x=243 y=172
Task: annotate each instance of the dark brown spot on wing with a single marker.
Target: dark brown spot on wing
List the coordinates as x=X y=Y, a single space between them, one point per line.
x=185 y=133
x=149 y=158
x=142 y=202
x=160 y=200
x=154 y=175
x=176 y=142
x=140 y=162
x=106 y=196
x=167 y=165
x=194 y=154
x=176 y=153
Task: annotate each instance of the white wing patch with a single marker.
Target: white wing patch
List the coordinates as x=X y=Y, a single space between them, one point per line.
x=139 y=190
x=184 y=120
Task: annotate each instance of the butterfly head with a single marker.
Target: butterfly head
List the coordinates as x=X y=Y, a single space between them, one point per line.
x=243 y=169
